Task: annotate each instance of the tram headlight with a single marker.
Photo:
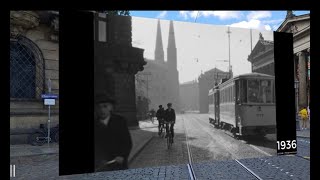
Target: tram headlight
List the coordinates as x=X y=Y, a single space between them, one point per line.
x=239 y=120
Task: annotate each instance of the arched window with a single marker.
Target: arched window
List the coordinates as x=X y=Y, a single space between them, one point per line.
x=26 y=69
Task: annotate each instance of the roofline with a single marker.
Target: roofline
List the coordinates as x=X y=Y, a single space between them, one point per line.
x=248 y=75
x=296 y=18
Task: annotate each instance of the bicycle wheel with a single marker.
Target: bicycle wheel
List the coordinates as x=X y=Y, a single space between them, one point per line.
x=36 y=139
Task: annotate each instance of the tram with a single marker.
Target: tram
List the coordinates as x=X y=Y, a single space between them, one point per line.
x=244 y=105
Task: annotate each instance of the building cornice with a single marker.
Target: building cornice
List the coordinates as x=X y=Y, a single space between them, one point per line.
x=284 y=24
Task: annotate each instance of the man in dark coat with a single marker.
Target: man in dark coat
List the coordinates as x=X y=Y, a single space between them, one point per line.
x=160 y=117
x=170 y=116
x=112 y=137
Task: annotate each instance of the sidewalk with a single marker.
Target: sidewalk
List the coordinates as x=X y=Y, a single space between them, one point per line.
x=140 y=137
x=304 y=133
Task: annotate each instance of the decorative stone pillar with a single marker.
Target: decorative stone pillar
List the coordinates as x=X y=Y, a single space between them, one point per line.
x=302 y=79
x=21 y=21
x=116 y=63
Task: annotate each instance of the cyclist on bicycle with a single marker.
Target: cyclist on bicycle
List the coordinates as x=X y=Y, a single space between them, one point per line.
x=170 y=117
x=160 y=117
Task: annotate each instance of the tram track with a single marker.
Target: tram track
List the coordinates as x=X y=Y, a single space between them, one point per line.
x=192 y=172
x=190 y=158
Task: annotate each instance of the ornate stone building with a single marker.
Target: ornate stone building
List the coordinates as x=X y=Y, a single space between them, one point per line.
x=162 y=77
x=262 y=57
x=300 y=27
x=207 y=81
x=116 y=62
x=34 y=59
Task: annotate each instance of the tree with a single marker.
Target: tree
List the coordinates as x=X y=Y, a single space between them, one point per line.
x=121 y=13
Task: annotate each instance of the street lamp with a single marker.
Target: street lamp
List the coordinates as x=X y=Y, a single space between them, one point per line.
x=229 y=32
x=296 y=87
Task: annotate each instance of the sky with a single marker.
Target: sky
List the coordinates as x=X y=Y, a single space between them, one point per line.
x=202 y=39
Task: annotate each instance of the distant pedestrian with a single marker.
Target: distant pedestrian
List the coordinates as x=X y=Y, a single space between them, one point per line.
x=152 y=114
x=304 y=117
x=112 y=137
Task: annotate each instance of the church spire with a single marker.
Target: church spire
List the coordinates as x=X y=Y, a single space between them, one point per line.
x=171 y=41
x=172 y=50
x=159 y=53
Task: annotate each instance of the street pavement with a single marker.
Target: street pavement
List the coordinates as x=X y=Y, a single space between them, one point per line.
x=214 y=155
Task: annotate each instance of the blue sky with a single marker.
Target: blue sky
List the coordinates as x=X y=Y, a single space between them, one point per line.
x=198 y=48
x=263 y=20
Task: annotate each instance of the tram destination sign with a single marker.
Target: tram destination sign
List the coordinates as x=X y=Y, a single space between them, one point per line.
x=49 y=96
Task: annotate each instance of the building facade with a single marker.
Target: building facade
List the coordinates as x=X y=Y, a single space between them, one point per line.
x=116 y=62
x=262 y=57
x=300 y=27
x=189 y=96
x=207 y=81
x=34 y=59
x=160 y=78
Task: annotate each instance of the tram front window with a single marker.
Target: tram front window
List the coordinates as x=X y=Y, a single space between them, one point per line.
x=259 y=91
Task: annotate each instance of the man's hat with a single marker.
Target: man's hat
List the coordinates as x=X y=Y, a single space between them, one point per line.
x=169 y=104
x=104 y=98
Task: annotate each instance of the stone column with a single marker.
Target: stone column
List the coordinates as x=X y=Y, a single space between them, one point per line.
x=302 y=79
x=116 y=63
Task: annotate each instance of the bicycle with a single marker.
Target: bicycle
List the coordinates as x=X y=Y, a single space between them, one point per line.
x=169 y=135
x=109 y=166
x=40 y=136
x=160 y=133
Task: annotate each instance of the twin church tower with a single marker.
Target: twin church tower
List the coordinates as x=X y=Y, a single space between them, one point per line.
x=164 y=76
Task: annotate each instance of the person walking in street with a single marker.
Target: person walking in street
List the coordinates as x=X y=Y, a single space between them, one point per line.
x=160 y=117
x=304 y=117
x=152 y=115
x=170 y=116
x=113 y=141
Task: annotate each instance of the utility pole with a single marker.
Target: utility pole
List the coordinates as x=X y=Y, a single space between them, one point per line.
x=251 y=47
x=229 y=32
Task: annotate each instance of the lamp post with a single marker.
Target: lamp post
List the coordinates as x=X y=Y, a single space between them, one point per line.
x=296 y=87
x=229 y=32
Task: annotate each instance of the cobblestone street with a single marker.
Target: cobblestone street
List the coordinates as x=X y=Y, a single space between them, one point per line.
x=215 y=155
x=206 y=144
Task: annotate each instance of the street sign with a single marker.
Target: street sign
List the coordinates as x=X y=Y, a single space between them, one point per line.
x=49 y=96
x=49 y=102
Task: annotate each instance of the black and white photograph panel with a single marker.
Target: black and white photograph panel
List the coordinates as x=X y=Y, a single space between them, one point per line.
x=172 y=93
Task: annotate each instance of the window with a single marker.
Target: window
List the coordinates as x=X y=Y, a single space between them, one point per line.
x=26 y=69
x=243 y=91
x=253 y=91
x=260 y=91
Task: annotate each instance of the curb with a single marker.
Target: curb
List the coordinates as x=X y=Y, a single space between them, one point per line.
x=303 y=136
x=139 y=149
x=30 y=155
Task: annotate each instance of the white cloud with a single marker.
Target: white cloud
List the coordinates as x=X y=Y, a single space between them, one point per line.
x=193 y=14
x=184 y=14
x=273 y=21
x=252 y=24
x=268 y=27
x=222 y=15
x=258 y=15
x=162 y=14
